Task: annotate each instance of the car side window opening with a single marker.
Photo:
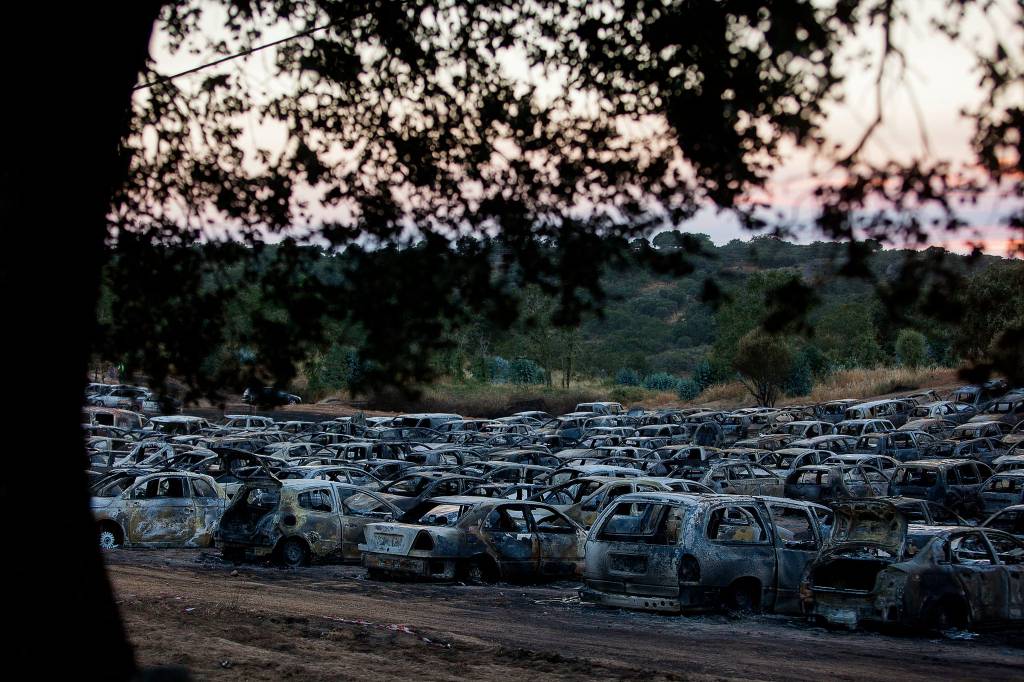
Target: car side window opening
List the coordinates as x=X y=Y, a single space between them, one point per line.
x=736 y=524
x=546 y=521
x=507 y=520
x=171 y=487
x=201 y=488
x=794 y=526
x=1009 y=551
x=316 y=500
x=970 y=550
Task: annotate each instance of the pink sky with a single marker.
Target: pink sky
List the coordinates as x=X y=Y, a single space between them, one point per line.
x=941 y=79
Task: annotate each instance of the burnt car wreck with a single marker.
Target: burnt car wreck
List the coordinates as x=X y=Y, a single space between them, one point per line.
x=877 y=568
x=827 y=513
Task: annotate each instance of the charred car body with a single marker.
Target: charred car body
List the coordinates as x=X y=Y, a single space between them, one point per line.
x=476 y=538
x=677 y=552
x=297 y=522
x=876 y=568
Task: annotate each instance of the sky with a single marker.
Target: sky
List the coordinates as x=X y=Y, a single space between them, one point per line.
x=939 y=84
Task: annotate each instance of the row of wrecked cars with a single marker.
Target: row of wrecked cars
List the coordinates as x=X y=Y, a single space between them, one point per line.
x=798 y=514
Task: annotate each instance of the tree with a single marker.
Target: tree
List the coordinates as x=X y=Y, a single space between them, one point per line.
x=911 y=348
x=763 y=362
x=433 y=136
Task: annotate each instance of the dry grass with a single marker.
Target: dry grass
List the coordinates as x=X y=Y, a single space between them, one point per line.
x=488 y=400
x=869 y=383
x=493 y=400
x=854 y=383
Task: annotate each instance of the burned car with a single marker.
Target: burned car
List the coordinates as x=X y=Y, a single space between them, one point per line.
x=583 y=499
x=480 y=539
x=136 y=508
x=1009 y=520
x=955 y=483
x=828 y=482
x=297 y=522
x=740 y=478
x=1001 y=491
x=677 y=552
x=877 y=568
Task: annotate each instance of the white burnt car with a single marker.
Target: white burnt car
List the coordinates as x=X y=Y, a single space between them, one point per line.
x=480 y=539
x=163 y=509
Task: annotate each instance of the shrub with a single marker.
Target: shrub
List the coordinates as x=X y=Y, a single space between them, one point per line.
x=801 y=376
x=911 y=348
x=626 y=394
x=525 y=371
x=661 y=381
x=627 y=377
x=688 y=389
x=764 y=362
x=703 y=375
x=498 y=369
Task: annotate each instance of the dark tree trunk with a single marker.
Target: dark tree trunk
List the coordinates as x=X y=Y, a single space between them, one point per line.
x=70 y=68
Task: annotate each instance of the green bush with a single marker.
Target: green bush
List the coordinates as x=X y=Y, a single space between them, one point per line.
x=703 y=375
x=627 y=377
x=626 y=394
x=525 y=371
x=661 y=381
x=688 y=389
x=498 y=369
x=911 y=348
x=801 y=376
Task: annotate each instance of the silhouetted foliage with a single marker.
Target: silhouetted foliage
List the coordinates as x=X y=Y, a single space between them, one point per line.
x=764 y=363
x=395 y=117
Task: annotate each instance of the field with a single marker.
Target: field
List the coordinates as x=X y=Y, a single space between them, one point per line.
x=493 y=400
x=188 y=608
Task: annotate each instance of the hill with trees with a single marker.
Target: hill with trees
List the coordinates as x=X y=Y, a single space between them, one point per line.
x=672 y=332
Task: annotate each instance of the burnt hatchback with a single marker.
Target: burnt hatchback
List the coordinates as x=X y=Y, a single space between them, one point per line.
x=679 y=552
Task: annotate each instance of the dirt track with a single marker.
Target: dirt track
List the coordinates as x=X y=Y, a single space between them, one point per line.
x=185 y=607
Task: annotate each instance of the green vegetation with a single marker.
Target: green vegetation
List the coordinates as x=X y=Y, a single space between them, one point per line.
x=654 y=334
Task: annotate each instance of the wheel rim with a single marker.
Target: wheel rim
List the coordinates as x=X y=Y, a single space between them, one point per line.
x=107 y=540
x=293 y=554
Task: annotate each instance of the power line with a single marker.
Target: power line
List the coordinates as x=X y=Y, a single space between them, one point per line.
x=228 y=58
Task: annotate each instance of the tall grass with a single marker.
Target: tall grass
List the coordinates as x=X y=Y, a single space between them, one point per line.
x=493 y=400
x=852 y=383
x=487 y=400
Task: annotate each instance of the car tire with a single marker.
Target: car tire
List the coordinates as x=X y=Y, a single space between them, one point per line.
x=743 y=596
x=481 y=571
x=234 y=555
x=946 y=615
x=293 y=553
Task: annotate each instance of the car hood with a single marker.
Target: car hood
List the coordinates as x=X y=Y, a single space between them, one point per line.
x=867 y=523
x=101 y=502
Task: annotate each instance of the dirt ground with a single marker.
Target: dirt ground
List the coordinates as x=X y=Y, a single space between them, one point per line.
x=187 y=607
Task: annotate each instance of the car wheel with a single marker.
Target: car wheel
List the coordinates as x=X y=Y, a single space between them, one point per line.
x=481 y=571
x=947 y=615
x=294 y=553
x=108 y=538
x=743 y=596
x=233 y=555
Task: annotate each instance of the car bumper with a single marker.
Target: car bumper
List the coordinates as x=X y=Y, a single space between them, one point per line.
x=410 y=567
x=688 y=598
x=250 y=550
x=851 y=610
